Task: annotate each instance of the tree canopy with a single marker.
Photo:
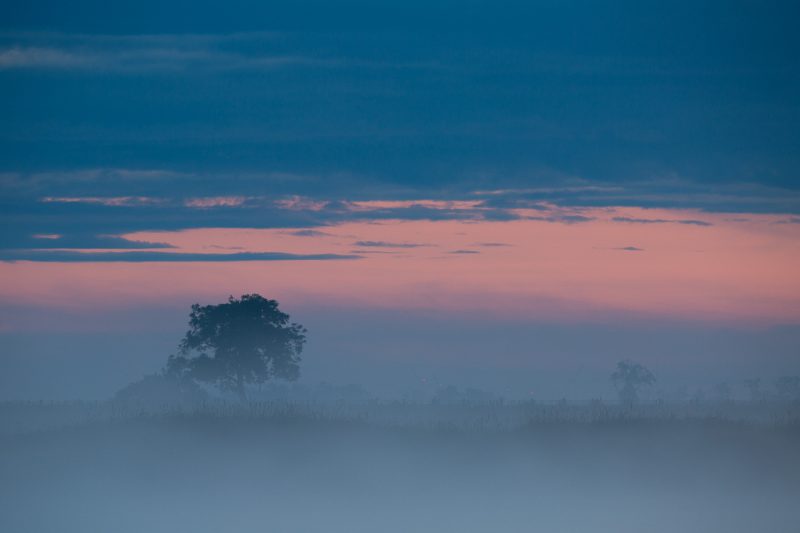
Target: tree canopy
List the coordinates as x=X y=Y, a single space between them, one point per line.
x=242 y=341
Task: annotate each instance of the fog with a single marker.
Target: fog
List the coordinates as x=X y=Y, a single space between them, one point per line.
x=269 y=469
x=394 y=354
x=401 y=423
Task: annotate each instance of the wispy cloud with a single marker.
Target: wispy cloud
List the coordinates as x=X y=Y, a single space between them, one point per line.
x=216 y=201
x=112 y=201
x=138 y=53
x=137 y=59
x=549 y=190
x=40 y=57
x=668 y=192
x=375 y=205
x=301 y=203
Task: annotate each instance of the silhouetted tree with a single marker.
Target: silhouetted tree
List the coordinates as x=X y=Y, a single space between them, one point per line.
x=628 y=379
x=243 y=341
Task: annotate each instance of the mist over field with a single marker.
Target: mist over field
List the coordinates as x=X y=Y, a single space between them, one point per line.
x=212 y=437
x=255 y=470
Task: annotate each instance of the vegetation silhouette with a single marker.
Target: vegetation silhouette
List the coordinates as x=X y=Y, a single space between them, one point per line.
x=757 y=394
x=628 y=379
x=243 y=341
x=161 y=391
x=788 y=388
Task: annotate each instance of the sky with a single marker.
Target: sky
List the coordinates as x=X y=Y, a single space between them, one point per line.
x=511 y=195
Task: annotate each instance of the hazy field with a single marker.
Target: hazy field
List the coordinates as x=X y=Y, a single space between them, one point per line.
x=293 y=470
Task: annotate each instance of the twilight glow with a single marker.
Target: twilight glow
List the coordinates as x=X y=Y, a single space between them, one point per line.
x=618 y=261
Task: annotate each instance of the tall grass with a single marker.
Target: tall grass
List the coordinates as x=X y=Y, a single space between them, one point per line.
x=17 y=417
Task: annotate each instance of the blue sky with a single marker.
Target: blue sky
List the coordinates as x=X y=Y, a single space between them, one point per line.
x=441 y=100
x=686 y=105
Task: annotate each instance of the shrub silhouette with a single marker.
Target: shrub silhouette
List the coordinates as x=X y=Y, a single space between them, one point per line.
x=160 y=391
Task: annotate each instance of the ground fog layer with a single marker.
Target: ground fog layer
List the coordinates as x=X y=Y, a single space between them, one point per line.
x=219 y=472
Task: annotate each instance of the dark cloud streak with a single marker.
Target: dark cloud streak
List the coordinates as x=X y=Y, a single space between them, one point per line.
x=689 y=222
x=384 y=244
x=160 y=257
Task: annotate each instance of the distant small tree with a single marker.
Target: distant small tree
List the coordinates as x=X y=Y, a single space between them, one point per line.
x=628 y=379
x=699 y=397
x=753 y=386
x=242 y=341
x=722 y=391
x=788 y=388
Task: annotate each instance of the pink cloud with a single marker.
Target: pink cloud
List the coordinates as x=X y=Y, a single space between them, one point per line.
x=301 y=203
x=215 y=201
